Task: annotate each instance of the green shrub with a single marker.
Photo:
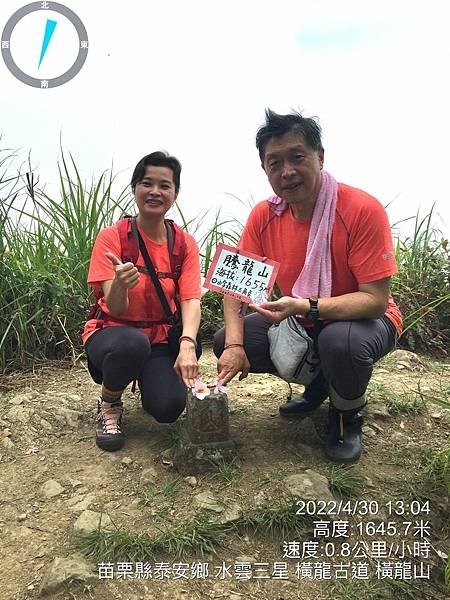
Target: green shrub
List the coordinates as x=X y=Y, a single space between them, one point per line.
x=45 y=252
x=422 y=287
x=46 y=243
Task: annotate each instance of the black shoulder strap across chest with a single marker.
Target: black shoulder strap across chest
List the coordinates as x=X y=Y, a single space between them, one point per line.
x=171 y=318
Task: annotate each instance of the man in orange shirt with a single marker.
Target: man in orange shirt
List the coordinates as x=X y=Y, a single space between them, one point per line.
x=334 y=246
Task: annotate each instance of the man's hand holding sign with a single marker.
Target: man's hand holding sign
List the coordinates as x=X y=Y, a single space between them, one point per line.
x=243 y=278
x=280 y=309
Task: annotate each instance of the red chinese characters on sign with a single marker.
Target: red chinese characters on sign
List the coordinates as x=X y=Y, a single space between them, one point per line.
x=242 y=275
x=208 y=424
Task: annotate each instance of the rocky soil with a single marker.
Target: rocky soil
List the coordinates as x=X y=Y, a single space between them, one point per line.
x=55 y=483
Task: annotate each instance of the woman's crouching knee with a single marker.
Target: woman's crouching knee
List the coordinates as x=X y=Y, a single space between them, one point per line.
x=165 y=412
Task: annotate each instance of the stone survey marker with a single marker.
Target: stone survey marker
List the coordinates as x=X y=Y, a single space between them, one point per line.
x=205 y=438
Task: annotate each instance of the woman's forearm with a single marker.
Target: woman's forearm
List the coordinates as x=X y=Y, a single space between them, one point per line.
x=116 y=297
x=190 y=311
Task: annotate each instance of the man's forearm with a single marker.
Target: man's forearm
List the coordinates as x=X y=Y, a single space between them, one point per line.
x=234 y=324
x=356 y=305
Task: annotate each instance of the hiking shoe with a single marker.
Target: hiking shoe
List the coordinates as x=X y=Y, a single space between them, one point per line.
x=109 y=435
x=344 y=436
x=302 y=404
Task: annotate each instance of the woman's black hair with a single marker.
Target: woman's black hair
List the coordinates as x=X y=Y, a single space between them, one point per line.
x=157 y=159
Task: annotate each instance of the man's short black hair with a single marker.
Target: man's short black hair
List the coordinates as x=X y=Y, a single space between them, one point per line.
x=157 y=159
x=277 y=125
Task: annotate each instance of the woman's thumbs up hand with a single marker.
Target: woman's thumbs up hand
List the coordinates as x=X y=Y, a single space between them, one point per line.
x=127 y=275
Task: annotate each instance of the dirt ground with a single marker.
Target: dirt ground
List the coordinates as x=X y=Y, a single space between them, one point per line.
x=48 y=419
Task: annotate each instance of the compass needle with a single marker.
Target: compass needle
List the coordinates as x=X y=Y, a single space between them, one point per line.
x=49 y=30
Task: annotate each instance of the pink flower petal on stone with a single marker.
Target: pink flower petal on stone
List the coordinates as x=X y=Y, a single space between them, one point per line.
x=217 y=387
x=200 y=390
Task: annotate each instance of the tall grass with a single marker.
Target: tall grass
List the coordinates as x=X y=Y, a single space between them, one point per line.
x=422 y=287
x=46 y=243
x=45 y=252
x=218 y=231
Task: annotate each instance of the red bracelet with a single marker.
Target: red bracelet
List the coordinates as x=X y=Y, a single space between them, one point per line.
x=233 y=346
x=188 y=339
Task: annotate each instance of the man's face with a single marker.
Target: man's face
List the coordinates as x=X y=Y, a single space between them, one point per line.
x=293 y=168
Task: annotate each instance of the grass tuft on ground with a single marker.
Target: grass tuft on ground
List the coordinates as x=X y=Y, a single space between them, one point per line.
x=198 y=536
x=345 y=481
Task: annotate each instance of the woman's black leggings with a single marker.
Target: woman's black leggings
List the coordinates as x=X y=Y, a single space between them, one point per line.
x=347 y=349
x=118 y=355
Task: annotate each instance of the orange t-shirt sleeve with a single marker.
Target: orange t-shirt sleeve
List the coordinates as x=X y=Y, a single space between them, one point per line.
x=371 y=255
x=190 y=281
x=250 y=239
x=100 y=267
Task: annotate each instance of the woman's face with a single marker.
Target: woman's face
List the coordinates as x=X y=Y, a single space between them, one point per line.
x=155 y=193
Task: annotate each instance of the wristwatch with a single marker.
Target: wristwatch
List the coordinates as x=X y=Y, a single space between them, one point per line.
x=314 y=308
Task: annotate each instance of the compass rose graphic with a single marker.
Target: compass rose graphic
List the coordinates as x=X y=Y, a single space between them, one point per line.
x=63 y=35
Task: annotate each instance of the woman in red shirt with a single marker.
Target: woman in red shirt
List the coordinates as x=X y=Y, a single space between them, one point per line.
x=129 y=339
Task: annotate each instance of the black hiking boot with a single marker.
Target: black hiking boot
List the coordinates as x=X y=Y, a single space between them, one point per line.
x=344 y=436
x=109 y=435
x=302 y=404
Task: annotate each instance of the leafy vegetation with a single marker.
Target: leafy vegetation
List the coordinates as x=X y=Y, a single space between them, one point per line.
x=345 y=481
x=198 y=536
x=422 y=287
x=45 y=247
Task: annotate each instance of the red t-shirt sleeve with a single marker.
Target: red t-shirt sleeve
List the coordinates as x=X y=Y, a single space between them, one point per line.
x=371 y=255
x=250 y=239
x=100 y=267
x=190 y=281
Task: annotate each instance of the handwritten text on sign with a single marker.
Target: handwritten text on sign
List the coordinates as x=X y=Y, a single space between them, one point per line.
x=241 y=274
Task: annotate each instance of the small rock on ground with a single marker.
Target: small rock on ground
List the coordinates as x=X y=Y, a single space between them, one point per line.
x=376 y=409
x=369 y=431
x=51 y=488
x=89 y=521
x=231 y=514
x=78 y=503
x=71 y=417
x=309 y=485
x=406 y=359
x=208 y=501
x=63 y=571
x=7 y=443
x=148 y=476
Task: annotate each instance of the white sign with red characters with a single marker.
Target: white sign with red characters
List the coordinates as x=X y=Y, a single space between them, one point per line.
x=242 y=275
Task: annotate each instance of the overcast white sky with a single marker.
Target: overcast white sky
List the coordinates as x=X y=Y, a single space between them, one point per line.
x=194 y=78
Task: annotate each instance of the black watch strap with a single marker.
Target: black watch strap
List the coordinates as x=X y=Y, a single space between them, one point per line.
x=314 y=308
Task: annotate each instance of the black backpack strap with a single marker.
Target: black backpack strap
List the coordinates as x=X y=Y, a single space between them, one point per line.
x=169 y=231
x=171 y=318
